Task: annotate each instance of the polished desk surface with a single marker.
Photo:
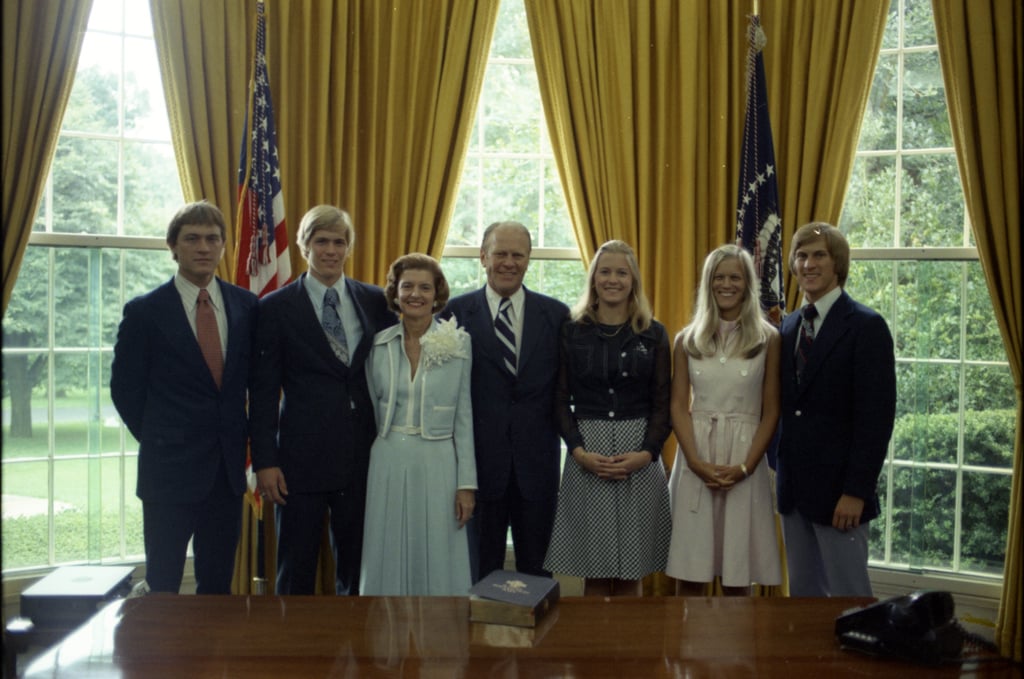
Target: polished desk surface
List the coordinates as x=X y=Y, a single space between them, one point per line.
x=266 y=636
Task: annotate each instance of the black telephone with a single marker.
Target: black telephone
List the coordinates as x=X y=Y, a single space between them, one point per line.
x=919 y=627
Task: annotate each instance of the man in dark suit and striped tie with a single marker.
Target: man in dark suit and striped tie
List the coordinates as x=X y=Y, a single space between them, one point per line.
x=515 y=335
x=179 y=380
x=838 y=409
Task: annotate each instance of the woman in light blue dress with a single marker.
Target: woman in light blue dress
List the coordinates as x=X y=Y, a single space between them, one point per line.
x=422 y=481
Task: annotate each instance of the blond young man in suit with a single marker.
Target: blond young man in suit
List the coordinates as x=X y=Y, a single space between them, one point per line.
x=838 y=410
x=311 y=417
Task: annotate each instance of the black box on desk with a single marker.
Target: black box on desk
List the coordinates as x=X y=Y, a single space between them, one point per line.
x=512 y=598
x=70 y=595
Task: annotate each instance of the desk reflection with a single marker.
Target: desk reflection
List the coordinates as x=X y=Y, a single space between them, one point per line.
x=261 y=636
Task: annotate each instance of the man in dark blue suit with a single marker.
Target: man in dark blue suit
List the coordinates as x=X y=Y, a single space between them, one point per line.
x=518 y=448
x=838 y=409
x=310 y=412
x=183 y=398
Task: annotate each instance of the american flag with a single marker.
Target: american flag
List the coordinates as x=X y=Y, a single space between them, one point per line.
x=758 y=225
x=262 y=256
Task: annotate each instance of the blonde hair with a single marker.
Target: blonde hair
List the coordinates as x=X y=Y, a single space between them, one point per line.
x=324 y=217
x=700 y=337
x=640 y=313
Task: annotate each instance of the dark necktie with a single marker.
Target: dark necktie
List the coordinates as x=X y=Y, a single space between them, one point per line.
x=803 y=347
x=209 y=336
x=506 y=335
x=332 y=324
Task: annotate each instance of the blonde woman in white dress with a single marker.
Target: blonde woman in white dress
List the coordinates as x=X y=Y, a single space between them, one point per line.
x=725 y=409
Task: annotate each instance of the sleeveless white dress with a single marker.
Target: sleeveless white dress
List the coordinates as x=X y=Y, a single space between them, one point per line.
x=730 y=533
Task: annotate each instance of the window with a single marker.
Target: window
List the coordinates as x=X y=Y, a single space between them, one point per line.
x=945 y=487
x=68 y=463
x=510 y=173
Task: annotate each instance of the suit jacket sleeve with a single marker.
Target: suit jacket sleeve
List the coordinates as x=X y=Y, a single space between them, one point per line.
x=874 y=404
x=265 y=394
x=129 y=372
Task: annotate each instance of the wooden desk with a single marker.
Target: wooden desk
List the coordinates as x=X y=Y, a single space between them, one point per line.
x=207 y=636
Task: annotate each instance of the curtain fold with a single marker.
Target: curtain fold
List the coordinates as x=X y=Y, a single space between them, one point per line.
x=41 y=44
x=980 y=47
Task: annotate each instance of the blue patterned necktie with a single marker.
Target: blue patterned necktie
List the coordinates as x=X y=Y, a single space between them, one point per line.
x=332 y=324
x=803 y=347
x=506 y=335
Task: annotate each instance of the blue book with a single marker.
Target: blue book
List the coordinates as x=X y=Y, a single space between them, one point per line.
x=512 y=598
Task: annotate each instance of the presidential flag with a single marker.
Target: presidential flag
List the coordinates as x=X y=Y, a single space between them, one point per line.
x=758 y=225
x=262 y=245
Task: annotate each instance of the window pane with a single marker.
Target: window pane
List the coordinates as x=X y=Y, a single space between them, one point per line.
x=871 y=284
x=25 y=514
x=561 y=279
x=923 y=517
x=925 y=436
x=152 y=190
x=869 y=211
x=557 y=225
x=85 y=186
x=985 y=517
x=73 y=296
x=919 y=23
x=988 y=438
x=511 y=33
x=145 y=115
x=93 y=106
x=928 y=310
x=71 y=527
x=25 y=431
x=462 y=230
x=137 y=20
x=511 y=189
x=25 y=323
x=510 y=103
x=463 y=274
x=878 y=129
x=925 y=117
x=924 y=388
x=984 y=341
x=932 y=212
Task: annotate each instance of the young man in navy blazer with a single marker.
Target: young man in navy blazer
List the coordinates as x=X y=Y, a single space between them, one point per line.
x=518 y=448
x=838 y=410
x=310 y=412
x=189 y=420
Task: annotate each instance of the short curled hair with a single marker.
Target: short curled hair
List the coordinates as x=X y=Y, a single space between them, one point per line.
x=835 y=243
x=199 y=213
x=417 y=261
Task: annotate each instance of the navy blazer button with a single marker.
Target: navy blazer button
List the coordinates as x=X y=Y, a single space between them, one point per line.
x=611 y=413
x=798 y=413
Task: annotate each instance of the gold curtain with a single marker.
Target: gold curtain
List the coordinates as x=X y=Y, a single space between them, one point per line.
x=41 y=44
x=980 y=46
x=374 y=106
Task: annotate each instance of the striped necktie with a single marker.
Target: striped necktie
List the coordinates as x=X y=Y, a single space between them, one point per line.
x=803 y=347
x=506 y=335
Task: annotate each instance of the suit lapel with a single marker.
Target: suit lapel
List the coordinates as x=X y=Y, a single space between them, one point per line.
x=178 y=331
x=480 y=326
x=835 y=326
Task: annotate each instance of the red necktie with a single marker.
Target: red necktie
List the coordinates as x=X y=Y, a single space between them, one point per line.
x=208 y=336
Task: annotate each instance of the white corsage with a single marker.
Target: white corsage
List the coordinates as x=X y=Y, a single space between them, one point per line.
x=443 y=343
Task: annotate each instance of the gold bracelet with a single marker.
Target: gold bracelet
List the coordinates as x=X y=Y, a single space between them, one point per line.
x=744 y=468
